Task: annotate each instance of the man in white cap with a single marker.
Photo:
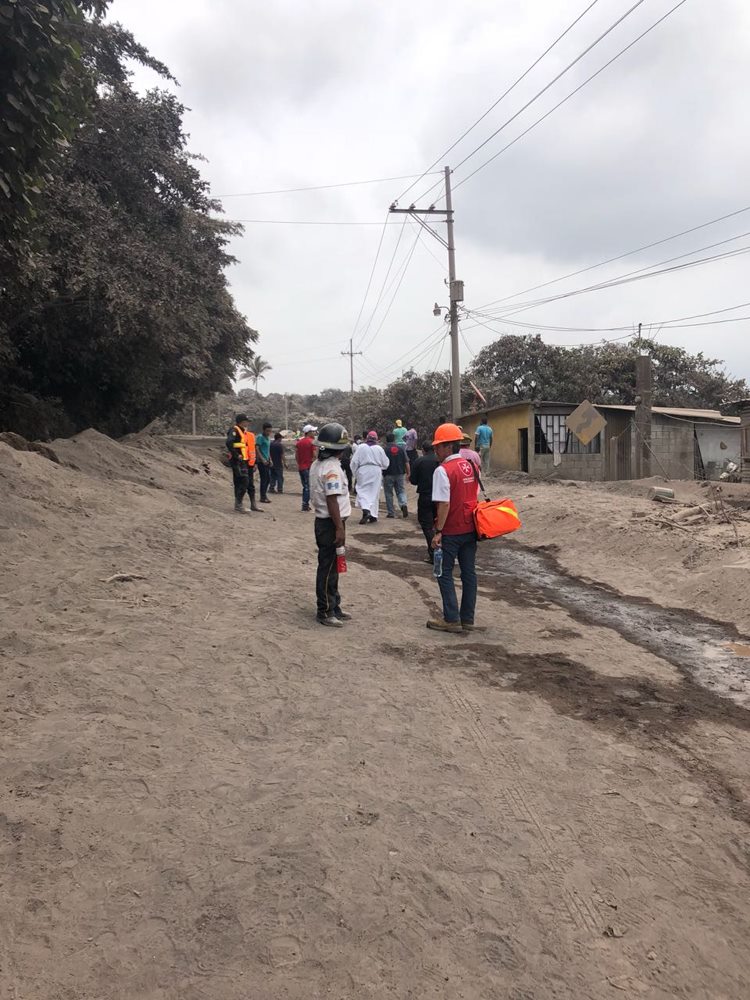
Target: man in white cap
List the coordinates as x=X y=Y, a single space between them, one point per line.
x=305 y=454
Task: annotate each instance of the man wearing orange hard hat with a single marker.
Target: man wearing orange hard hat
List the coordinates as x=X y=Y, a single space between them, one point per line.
x=454 y=492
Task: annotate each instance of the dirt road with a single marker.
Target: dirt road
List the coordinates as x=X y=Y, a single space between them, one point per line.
x=206 y=796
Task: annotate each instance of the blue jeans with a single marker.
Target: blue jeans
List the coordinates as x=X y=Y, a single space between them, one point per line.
x=304 y=475
x=463 y=548
x=391 y=483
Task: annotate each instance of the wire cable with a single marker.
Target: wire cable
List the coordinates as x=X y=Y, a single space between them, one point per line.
x=372 y=274
x=676 y=323
x=565 y=99
x=414 y=353
x=323 y=187
x=404 y=269
x=298 y=222
x=631 y=276
x=611 y=260
x=539 y=94
x=501 y=98
x=379 y=299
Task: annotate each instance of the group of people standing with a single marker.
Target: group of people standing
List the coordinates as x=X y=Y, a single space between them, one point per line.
x=331 y=468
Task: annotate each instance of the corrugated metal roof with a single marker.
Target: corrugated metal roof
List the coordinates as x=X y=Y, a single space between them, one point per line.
x=682 y=413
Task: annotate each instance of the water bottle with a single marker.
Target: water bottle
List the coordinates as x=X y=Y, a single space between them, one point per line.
x=341 y=559
x=437 y=563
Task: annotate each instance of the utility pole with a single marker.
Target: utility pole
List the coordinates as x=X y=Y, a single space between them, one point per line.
x=286 y=411
x=455 y=298
x=643 y=416
x=455 y=287
x=351 y=352
x=194 y=422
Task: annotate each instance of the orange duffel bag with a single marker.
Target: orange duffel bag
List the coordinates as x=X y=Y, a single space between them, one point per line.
x=493 y=518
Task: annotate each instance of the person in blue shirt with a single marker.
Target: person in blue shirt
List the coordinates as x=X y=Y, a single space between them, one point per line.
x=483 y=440
x=263 y=448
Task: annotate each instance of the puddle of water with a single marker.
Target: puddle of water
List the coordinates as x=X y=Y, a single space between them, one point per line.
x=703 y=649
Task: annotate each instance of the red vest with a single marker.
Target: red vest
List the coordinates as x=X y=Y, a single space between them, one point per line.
x=460 y=520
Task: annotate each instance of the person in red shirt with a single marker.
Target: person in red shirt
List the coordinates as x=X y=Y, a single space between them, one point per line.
x=305 y=453
x=454 y=492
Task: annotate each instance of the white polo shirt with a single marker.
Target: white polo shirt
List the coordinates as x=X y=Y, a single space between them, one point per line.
x=327 y=479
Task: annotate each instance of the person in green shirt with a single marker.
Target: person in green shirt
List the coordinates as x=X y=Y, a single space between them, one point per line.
x=399 y=432
x=263 y=449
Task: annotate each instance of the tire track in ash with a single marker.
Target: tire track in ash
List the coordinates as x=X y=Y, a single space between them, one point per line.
x=518 y=801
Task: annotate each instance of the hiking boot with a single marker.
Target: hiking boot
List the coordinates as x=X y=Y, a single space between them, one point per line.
x=264 y=500
x=256 y=508
x=330 y=621
x=343 y=616
x=404 y=510
x=306 y=507
x=365 y=517
x=440 y=625
x=471 y=627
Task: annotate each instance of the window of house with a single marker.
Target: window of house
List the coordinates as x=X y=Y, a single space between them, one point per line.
x=550 y=428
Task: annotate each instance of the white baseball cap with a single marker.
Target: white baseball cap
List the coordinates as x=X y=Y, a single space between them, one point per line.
x=309 y=427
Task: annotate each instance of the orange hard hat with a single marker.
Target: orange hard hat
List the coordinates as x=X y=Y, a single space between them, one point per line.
x=447 y=433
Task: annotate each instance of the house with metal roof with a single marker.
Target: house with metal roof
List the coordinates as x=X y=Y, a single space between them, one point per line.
x=534 y=437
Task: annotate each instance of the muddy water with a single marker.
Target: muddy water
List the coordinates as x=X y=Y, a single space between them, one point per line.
x=697 y=646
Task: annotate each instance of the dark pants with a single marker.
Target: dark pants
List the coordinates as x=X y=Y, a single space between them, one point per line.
x=264 y=471
x=463 y=548
x=327 y=580
x=304 y=475
x=412 y=456
x=277 y=479
x=348 y=473
x=426 y=518
x=244 y=482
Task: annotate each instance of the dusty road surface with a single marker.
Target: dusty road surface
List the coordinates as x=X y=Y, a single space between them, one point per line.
x=206 y=796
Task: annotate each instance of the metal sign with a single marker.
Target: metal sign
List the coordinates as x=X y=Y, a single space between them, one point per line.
x=585 y=422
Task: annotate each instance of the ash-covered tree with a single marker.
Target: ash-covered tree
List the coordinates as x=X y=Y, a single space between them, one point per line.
x=525 y=367
x=121 y=312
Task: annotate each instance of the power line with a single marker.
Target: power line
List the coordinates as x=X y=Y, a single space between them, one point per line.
x=504 y=332
x=631 y=276
x=551 y=83
x=571 y=94
x=426 y=246
x=299 y=222
x=404 y=269
x=668 y=324
x=539 y=93
x=611 y=260
x=413 y=355
x=502 y=97
x=381 y=293
x=372 y=274
x=322 y=187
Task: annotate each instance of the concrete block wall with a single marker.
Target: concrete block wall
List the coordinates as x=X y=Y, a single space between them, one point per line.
x=587 y=468
x=673 y=448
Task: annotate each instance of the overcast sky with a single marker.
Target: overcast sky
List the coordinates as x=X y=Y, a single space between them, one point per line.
x=295 y=93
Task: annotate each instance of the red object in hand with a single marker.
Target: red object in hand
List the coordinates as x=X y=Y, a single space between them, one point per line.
x=341 y=559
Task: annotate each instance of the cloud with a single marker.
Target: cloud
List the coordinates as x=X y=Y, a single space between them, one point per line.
x=298 y=93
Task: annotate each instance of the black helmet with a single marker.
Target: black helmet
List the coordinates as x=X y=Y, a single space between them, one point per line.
x=332 y=437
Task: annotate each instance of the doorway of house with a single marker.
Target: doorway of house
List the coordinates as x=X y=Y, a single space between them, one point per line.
x=523 y=448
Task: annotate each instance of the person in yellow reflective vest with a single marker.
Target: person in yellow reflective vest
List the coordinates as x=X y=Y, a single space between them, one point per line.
x=241 y=447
